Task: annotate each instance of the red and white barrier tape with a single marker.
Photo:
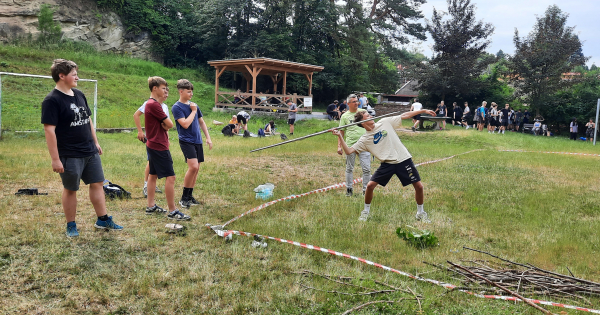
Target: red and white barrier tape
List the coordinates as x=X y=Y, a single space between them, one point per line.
x=219 y=230
x=264 y=205
x=568 y=153
x=227 y=233
x=334 y=186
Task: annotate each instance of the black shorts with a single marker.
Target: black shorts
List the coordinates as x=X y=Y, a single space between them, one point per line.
x=504 y=122
x=241 y=119
x=161 y=163
x=405 y=170
x=192 y=151
x=440 y=115
x=291 y=121
x=88 y=169
x=417 y=117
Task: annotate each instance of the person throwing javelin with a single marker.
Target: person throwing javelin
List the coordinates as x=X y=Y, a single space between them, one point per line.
x=382 y=141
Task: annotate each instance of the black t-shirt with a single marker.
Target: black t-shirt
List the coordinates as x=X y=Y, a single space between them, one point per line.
x=331 y=108
x=457 y=112
x=505 y=113
x=442 y=109
x=71 y=116
x=343 y=107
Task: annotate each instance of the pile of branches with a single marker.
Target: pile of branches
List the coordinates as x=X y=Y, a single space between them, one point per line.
x=525 y=279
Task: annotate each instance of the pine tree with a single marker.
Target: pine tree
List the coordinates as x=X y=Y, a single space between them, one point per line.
x=551 y=49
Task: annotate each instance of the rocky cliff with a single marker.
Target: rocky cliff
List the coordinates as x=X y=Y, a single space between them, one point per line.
x=80 y=20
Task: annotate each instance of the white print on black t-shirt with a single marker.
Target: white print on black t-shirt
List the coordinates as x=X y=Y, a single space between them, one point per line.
x=78 y=120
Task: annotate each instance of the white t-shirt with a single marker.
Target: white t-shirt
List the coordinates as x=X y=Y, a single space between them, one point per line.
x=383 y=142
x=164 y=106
x=244 y=114
x=466 y=111
x=417 y=106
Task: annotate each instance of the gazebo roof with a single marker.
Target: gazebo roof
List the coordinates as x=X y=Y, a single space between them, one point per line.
x=269 y=66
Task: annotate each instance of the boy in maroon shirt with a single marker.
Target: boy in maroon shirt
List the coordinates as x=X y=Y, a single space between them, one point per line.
x=161 y=163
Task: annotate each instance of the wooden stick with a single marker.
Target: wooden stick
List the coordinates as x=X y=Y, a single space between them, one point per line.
x=326 y=131
x=503 y=288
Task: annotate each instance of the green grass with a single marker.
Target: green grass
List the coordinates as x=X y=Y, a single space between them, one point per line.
x=528 y=207
x=122 y=85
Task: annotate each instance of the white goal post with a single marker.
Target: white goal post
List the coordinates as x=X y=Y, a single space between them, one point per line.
x=47 y=77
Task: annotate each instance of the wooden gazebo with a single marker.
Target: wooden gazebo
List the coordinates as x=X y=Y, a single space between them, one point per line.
x=277 y=70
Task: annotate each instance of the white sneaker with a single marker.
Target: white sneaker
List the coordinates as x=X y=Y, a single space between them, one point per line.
x=145 y=191
x=422 y=216
x=364 y=215
x=467 y=127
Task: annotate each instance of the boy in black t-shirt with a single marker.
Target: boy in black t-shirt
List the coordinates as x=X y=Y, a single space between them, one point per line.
x=73 y=146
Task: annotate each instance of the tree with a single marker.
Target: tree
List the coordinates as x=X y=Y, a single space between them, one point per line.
x=50 y=31
x=459 y=56
x=500 y=54
x=541 y=58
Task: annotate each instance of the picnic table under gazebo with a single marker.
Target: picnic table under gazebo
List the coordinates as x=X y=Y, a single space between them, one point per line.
x=277 y=70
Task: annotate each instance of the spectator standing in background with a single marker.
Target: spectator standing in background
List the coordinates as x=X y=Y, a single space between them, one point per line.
x=573 y=129
x=466 y=115
x=363 y=101
x=591 y=127
x=416 y=106
x=518 y=119
x=441 y=112
x=457 y=115
x=292 y=110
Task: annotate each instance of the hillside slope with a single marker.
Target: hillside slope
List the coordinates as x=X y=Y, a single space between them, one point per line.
x=122 y=83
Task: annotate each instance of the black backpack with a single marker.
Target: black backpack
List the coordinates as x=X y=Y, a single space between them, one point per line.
x=113 y=191
x=227 y=131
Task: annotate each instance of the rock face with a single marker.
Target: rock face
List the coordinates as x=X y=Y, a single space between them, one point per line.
x=79 y=20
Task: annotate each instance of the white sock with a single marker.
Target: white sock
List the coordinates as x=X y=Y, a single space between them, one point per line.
x=420 y=209
x=145 y=184
x=502 y=131
x=367 y=208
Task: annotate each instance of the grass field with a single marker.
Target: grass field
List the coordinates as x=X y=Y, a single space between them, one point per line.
x=528 y=207
x=122 y=84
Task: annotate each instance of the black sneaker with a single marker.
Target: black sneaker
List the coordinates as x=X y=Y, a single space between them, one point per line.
x=177 y=215
x=348 y=192
x=194 y=202
x=156 y=209
x=185 y=203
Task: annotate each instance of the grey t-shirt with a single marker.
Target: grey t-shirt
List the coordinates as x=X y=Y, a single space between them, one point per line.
x=292 y=115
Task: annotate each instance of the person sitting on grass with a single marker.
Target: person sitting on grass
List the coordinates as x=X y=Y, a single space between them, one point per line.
x=190 y=126
x=142 y=137
x=161 y=163
x=332 y=111
x=270 y=128
x=73 y=145
x=382 y=141
x=233 y=120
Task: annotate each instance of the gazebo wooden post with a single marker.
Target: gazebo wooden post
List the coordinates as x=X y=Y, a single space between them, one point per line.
x=254 y=73
x=216 y=85
x=275 y=80
x=284 y=82
x=309 y=79
x=218 y=73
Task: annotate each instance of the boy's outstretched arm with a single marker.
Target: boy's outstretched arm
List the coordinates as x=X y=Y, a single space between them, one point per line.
x=408 y=115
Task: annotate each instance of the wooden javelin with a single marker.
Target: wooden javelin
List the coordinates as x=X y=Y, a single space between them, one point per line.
x=325 y=131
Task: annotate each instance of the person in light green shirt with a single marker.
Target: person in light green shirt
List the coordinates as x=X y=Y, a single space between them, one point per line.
x=352 y=134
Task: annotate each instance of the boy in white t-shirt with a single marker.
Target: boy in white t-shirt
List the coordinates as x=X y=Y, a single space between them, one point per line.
x=142 y=137
x=382 y=141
